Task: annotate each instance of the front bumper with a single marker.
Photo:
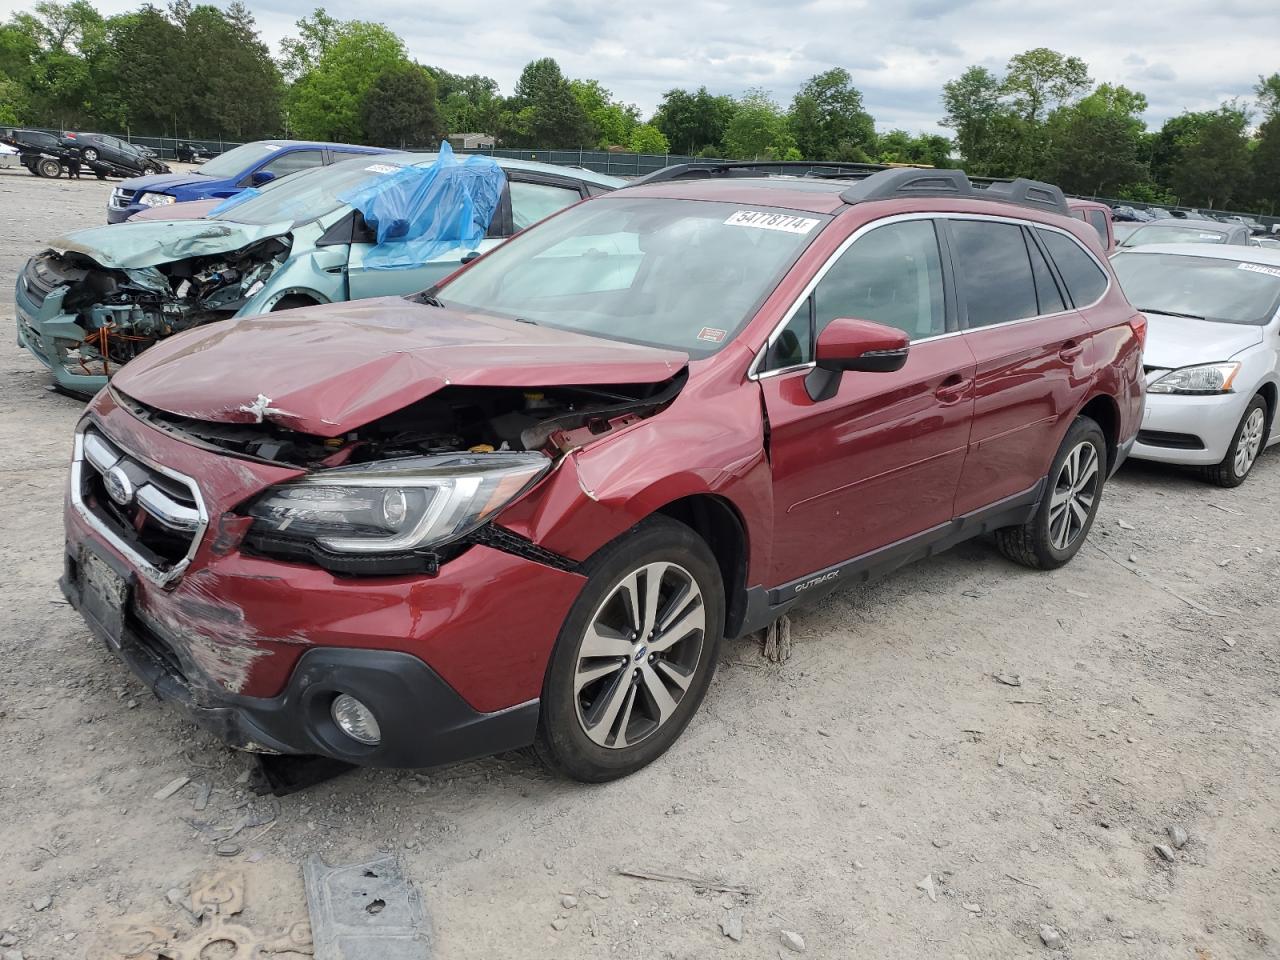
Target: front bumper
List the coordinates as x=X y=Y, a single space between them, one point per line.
x=255 y=648
x=48 y=333
x=424 y=722
x=1190 y=430
x=120 y=214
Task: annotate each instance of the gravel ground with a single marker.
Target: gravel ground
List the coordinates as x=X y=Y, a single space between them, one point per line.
x=829 y=787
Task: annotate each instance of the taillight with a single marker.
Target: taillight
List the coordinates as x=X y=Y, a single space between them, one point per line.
x=1139 y=324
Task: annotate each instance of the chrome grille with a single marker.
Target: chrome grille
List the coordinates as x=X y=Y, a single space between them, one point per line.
x=154 y=515
x=121 y=197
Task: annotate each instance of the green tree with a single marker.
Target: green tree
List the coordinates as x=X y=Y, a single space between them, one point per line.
x=927 y=149
x=1095 y=145
x=468 y=104
x=1214 y=168
x=150 y=67
x=694 y=122
x=759 y=130
x=324 y=102
x=67 y=78
x=399 y=109
x=974 y=111
x=828 y=120
x=316 y=34
x=646 y=138
x=614 y=121
x=1266 y=151
x=544 y=111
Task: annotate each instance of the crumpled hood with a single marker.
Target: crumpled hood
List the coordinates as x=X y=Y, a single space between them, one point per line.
x=1174 y=342
x=330 y=369
x=131 y=245
x=164 y=182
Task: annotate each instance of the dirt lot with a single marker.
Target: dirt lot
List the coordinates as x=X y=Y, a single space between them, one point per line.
x=882 y=753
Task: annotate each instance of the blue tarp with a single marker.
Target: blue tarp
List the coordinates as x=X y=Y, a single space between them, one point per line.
x=234 y=201
x=419 y=213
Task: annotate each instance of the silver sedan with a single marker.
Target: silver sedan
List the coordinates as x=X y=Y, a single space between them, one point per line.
x=1212 y=355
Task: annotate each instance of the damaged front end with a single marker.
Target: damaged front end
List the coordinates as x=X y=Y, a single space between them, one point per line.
x=84 y=320
x=409 y=491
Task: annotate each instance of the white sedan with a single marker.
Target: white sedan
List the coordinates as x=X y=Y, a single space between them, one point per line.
x=1212 y=356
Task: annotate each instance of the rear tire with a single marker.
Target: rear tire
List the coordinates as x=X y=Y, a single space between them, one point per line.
x=51 y=169
x=611 y=708
x=89 y=154
x=1246 y=444
x=1073 y=490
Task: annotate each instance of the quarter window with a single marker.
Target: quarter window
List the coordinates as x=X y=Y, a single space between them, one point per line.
x=995 y=272
x=1085 y=280
x=890 y=275
x=1099 y=221
x=294 y=161
x=794 y=343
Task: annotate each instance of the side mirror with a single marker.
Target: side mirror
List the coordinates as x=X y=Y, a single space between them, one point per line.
x=857 y=345
x=262 y=176
x=473 y=255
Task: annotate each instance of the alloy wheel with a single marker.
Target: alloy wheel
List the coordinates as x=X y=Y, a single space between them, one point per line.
x=1250 y=441
x=1074 y=492
x=639 y=654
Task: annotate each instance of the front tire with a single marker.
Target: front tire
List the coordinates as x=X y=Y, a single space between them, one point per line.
x=635 y=656
x=1070 y=501
x=1246 y=444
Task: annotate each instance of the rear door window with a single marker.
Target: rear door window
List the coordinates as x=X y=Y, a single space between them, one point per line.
x=1085 y=280
x=994 y=268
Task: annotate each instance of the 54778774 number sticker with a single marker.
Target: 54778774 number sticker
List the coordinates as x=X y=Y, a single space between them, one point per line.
x=760 y=220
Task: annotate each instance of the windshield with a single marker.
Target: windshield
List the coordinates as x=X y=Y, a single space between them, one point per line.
x=235 y=162
x=309 y=195
x=1183 y=233
x=1225 y=291
x=683 y=274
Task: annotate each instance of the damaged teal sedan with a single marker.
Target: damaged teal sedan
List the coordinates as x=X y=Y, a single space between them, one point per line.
x=388 y=225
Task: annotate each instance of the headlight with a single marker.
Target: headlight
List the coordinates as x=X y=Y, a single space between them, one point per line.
x=156 y=199
x=400 y=505
x=1209 y=378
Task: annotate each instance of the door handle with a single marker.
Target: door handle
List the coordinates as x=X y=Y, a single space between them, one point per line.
x=1071 y=351
x=953 y=388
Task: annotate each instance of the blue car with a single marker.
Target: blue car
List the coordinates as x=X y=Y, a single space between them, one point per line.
x=250 y=165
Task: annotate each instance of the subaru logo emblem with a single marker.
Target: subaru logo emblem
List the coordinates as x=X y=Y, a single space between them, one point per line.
x=641 y=652
x=119 y=486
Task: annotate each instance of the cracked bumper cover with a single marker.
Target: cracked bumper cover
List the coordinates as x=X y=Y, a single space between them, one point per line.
x=424 y=721
x=46 y=332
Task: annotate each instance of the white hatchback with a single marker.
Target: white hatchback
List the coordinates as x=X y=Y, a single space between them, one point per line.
x=1212 y=357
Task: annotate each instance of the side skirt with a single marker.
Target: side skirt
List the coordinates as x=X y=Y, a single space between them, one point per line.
x=764 y=604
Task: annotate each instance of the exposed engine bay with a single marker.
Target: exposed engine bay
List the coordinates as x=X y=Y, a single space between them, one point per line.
x=125 y=311
x=475 y=419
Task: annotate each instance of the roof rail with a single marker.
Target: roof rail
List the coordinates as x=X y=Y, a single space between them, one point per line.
x=754 y=168
x=905 y=183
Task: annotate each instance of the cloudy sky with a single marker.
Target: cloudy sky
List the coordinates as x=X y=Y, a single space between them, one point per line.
x=1183 y=54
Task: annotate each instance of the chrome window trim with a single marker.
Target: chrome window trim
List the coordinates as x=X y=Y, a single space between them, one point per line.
x=151 y=572
x=753 y=371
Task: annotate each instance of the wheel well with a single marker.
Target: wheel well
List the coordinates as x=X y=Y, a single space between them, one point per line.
x=291 y=300
x=1268 y=393
x=718 y=523
x=1102 y=410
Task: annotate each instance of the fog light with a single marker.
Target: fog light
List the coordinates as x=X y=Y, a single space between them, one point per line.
x=355 y=720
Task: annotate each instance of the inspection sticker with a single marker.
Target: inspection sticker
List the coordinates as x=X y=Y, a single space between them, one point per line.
x=381 y=168
x=713 y=334
x=1260 y=268
x=785 y=222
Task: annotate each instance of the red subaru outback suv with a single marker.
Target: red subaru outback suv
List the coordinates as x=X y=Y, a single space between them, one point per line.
x=526 y=506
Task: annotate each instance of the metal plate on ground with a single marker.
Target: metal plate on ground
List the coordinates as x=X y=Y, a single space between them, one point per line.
x=365 y=911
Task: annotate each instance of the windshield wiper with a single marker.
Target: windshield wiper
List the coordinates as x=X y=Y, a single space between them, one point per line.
x=1172 y=313
x=427 y=297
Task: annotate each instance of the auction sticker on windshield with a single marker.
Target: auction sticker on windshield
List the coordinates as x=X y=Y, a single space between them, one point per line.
x=381 y=168
x=1260 y=268
x=785 y=222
